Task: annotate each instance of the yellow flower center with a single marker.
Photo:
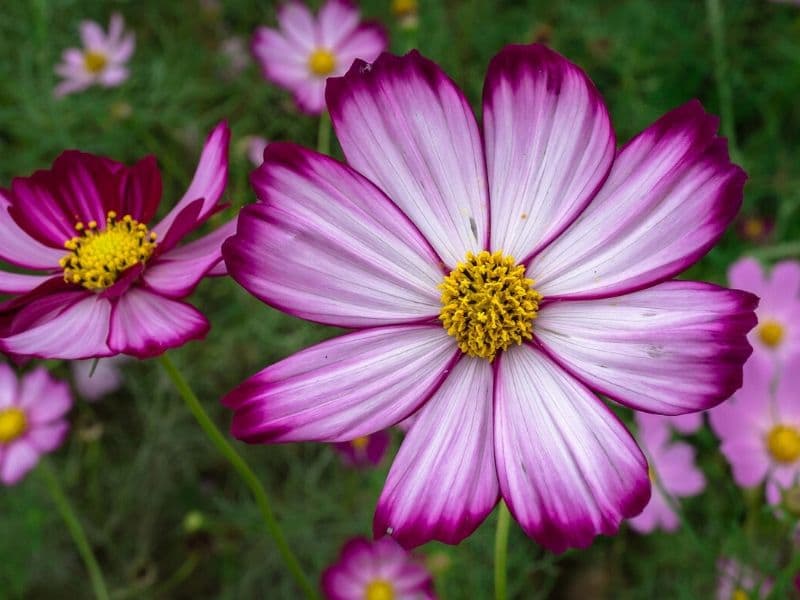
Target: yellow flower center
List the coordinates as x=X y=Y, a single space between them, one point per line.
x=740 y=594
x=360 y=442
x=488 y=304
x=94 y=61
x=771 y=333
x=380 y=589
x=13 y=424
x=404 y=8
x=322 y=62
x=783 y=442
x=97 y=257
x=753 y=228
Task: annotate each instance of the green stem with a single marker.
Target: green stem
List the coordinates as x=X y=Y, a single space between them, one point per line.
x=244 y=471
x=324 y=133
x=501 y=552
x=716 y=22
x=784 y=580
x=75 y=529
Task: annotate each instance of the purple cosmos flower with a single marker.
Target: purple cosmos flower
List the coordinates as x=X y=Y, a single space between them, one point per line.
x=738 y=582
x=760 y=429
x=32 y=420
x=379 y=570
x=107 y=283
x=303 y=52
x=96 y=381
x=777 y=337
x=494 y=280
x=102 y=59
x=672 y=468
x=364 y=451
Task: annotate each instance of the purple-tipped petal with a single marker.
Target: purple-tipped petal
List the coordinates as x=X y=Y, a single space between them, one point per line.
x=144 y=324
x=430 y=160
x=19 y=248
x=343 y=388
x=17 y=283
x=670 y=195
x=325 y=244
x=140 y=190
x=549 y=146
x=674 y=348
x=443 y=481
x=567 y=467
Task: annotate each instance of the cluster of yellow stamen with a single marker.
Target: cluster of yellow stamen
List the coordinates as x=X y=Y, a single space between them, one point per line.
x=94 y=61
x=771 y=333
x=379 y=589
x=97 y=257
x=488 y=304
x=783 y=442
x=13 y=424
x=322 y=62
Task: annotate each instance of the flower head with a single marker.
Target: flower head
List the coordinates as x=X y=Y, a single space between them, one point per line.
x=379 y=570
x=494 y=281
x=364 y=451
x=760 y=429
x=305 y=50
x=672 y=471
x=102 y=59
x=777 y=336
x=94 y=381
x=32 y=420
x=107 y=281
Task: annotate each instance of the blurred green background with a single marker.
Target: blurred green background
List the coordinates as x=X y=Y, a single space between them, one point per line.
x=136 y=464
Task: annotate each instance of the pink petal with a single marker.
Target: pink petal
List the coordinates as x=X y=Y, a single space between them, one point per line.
x=8 y=387
x=688 y=423
x=209 y=179
x=443 y=482
x=16 y=283
x=310 y=96
x=336 y=22
x=176 y=273
x=116 y=27
x=17 y=460
x=282 y=62
x=670 y=195
x=113 y=75
x=19 y=248
x=343 y=388
x=430 y=161
x=784 y=286
x=367 y=42
x=46 y=438
x=92 y=35
x=144 y=324
x=787 y=403
x=568 y=469
x=750 y=409
x=43 y=398
x=674 y=348
x=71 y=86
x=549 y=146
x=657 y=514
x=66 y=325
x=122 y=51
x=677 y=471
x=297 y=23
x=326 y=245
x=747 y=274
x=748 y=459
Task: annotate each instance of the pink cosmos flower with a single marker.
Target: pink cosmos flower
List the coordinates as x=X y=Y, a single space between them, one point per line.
x=32 y=420
x=777 y=337
x=672 y=468
x=102 y=59
x=304 y=51
x=364 y=451
x=494 y=280
x=379 y=570
x=738 y=582
x=106 y=378
x=107 y=283
x=760 y=429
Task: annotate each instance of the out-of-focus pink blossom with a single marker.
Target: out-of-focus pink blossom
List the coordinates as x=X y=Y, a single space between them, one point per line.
x=255 y=149
x=738 y=581
x=106 y=378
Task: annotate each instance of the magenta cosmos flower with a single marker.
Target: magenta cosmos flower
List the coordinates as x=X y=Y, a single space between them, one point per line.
x=107 y=282
x=672 y=470
x=304 y=51
x=32 y=420
x=379 y=570
x=364 y=451
x=102 y=59
x=776 y=339
x=760 y=429
x=442 y=246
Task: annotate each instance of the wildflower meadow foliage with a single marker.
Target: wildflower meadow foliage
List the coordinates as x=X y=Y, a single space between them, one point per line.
x=503 y=297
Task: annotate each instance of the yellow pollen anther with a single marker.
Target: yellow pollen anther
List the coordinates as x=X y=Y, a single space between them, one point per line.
x=13 y=424
x=97 y=257
x=771 y=333
x=783 y=442
x=488 y=304
x=404 y=8
x=380 y=589
x=360 y=442
x=94 y=61
x=321 y=62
